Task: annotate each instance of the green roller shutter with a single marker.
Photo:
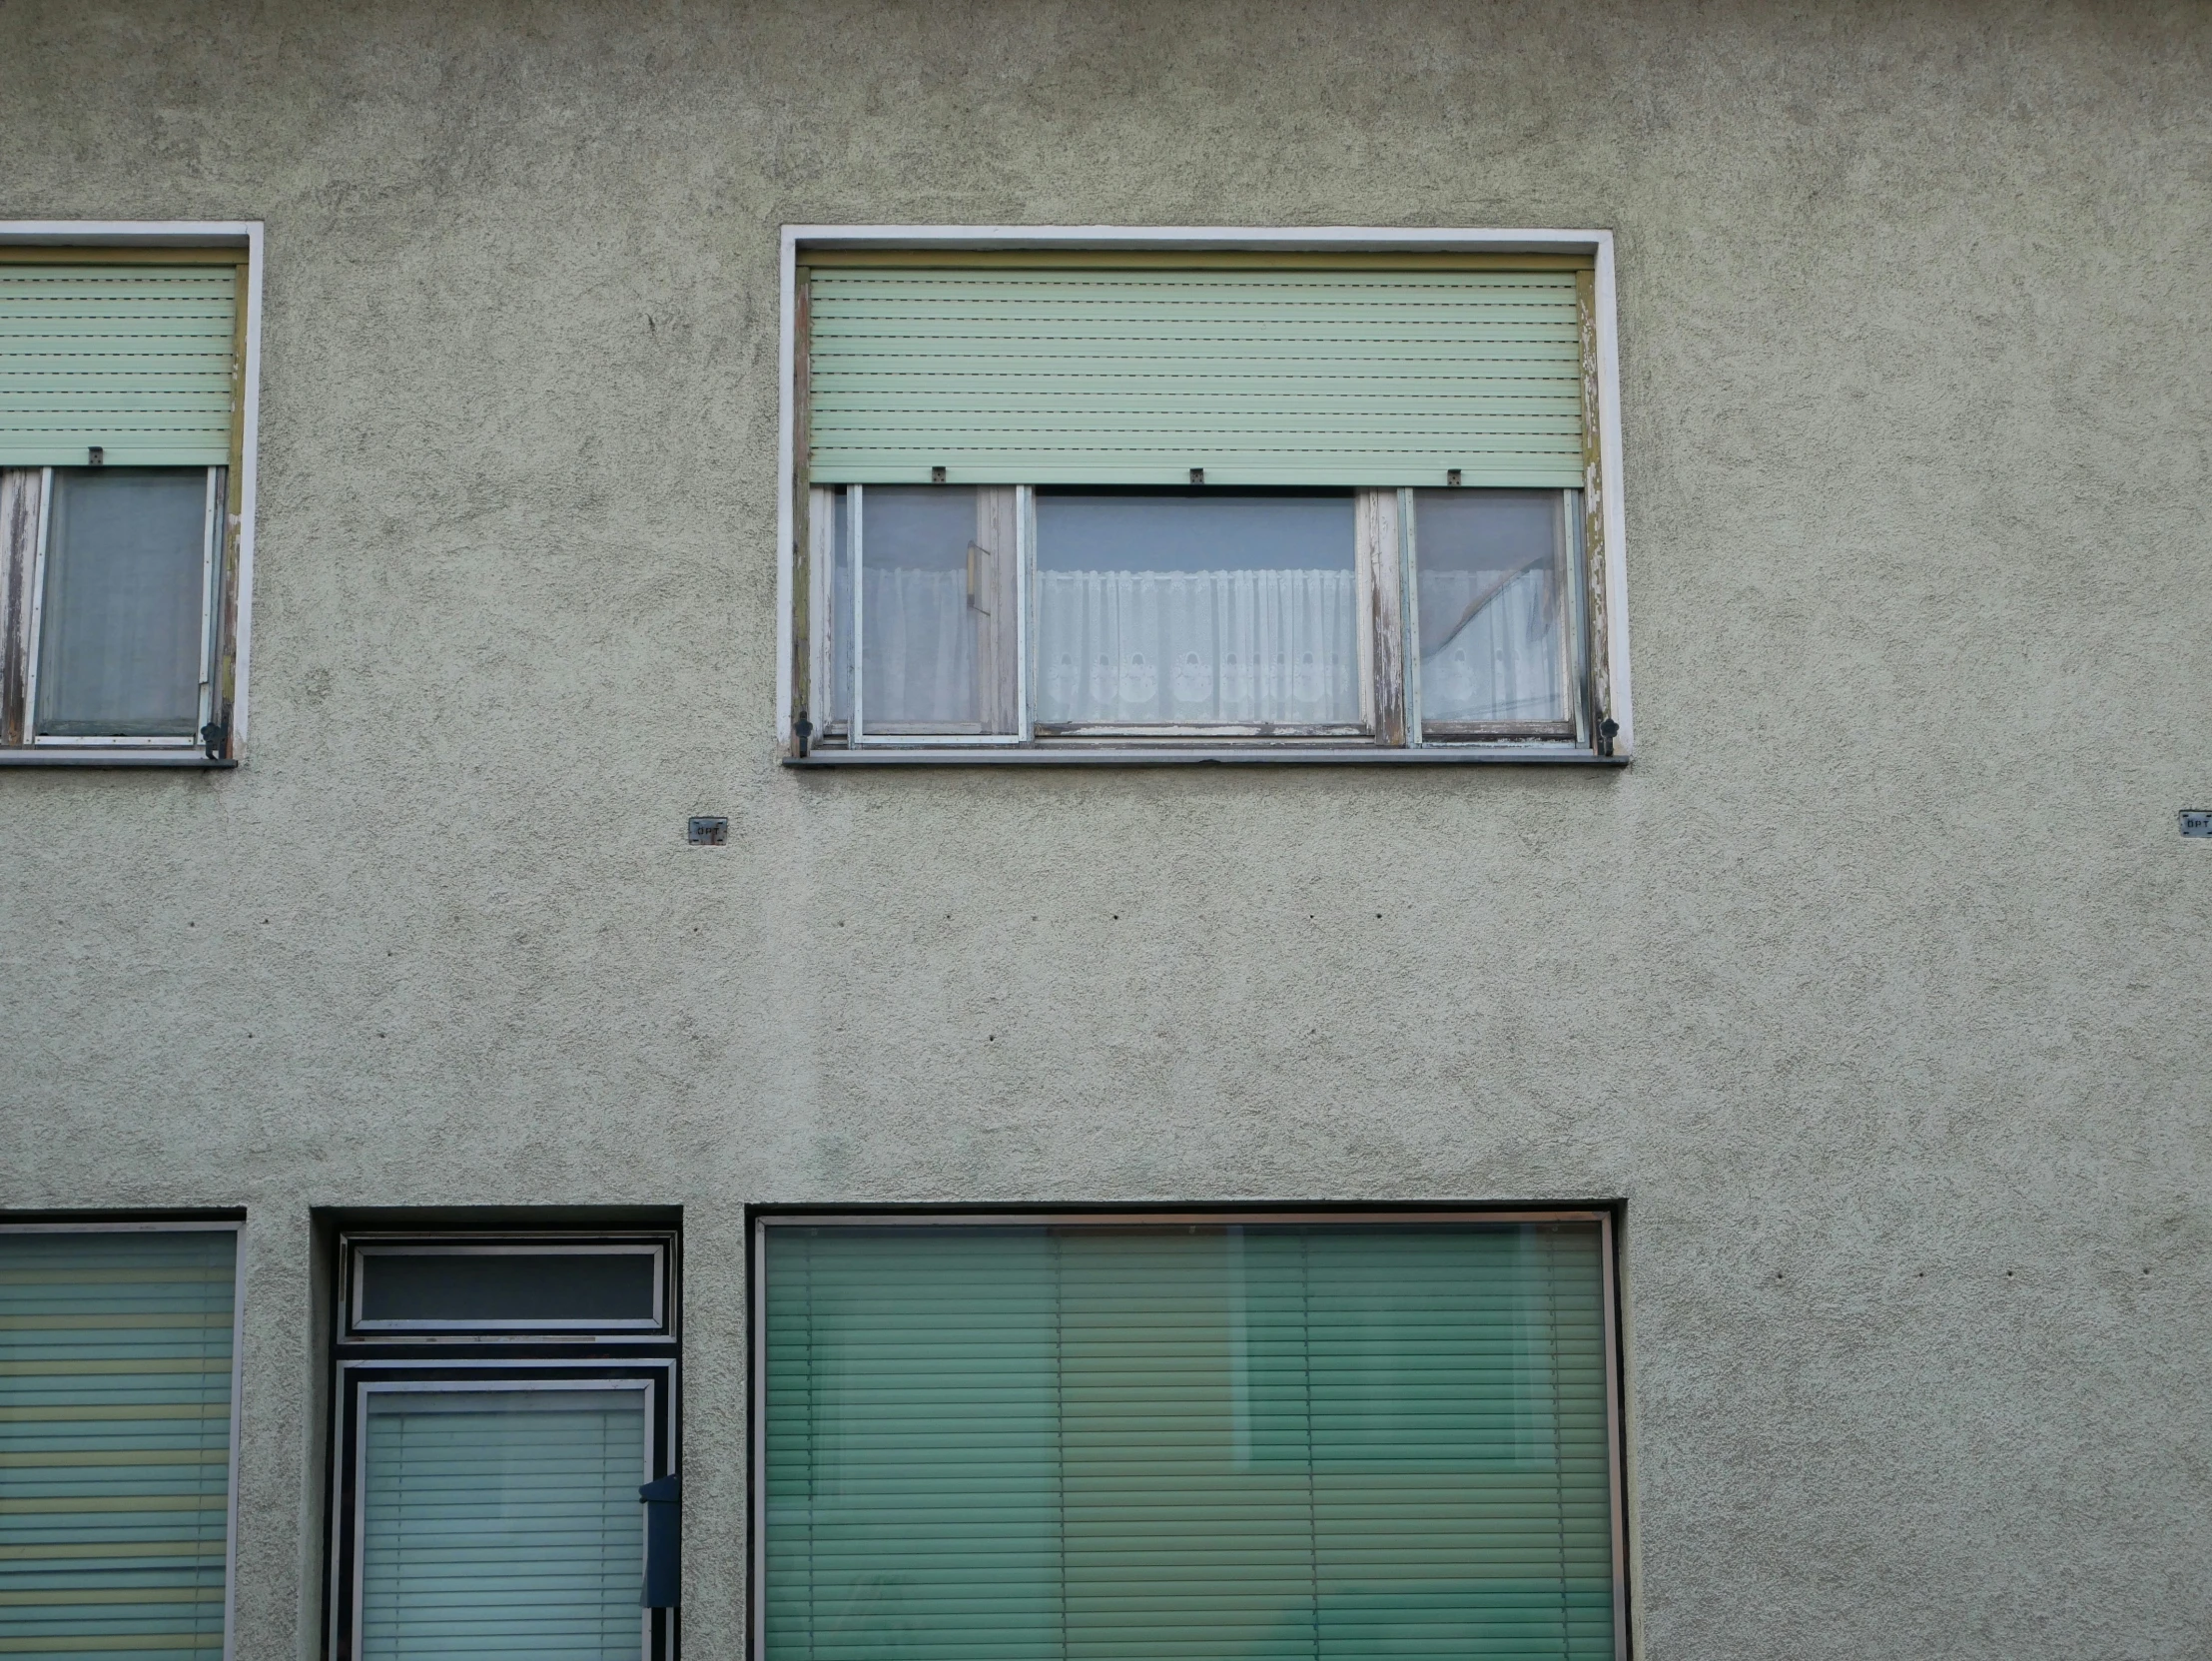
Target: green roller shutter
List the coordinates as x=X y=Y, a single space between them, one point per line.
x=115 y=1442
x=1192 y=1445
x=133 y=359
x=503 y=1523
x=1258 y=376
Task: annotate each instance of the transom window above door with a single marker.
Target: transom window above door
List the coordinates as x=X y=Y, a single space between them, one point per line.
x=1152 y=503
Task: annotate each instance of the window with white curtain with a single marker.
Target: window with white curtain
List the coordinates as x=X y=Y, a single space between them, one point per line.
x=122 y=393
x=1069 y=499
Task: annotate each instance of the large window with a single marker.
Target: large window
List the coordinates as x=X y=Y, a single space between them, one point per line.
x=1196 y=1439
x=507 y=1425
x=117 y=1399
x=1066 y=501
x=123 y=395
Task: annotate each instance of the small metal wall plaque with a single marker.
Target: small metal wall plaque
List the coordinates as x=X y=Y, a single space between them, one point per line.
x=708 y=831
x=2196 y=821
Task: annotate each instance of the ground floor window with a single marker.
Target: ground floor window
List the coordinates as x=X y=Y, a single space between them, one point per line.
x=117 y=1400
x=1188 y=1437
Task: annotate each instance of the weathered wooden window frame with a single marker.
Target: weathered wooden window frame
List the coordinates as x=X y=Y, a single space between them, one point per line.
x=1601 y=730
x=227 y=565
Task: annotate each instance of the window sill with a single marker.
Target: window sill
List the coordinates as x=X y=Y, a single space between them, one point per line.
x=1248 y=755
x=60 y=755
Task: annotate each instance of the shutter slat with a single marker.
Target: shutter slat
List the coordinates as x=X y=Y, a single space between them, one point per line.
x=1347 y=378
x=114 y=1408
x=133 y=359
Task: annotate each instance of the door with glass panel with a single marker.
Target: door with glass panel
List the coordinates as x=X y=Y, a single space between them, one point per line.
x=504 y=1405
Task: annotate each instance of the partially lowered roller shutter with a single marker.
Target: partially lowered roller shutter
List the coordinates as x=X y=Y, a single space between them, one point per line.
x=134 y=361
x=1252 y=375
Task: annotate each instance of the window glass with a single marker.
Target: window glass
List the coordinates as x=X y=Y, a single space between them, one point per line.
x=938 y=609
x=839 y=619
x=1491 y=572
x=584 y=1288
x=502 y=1523
x=1217 y=610
x=1208 y=1441
x=123 y=615
x=115 y=1441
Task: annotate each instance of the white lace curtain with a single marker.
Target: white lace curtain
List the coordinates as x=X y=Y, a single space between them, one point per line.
x=1196 y=647
x=1506 y=663
x=1237 y=647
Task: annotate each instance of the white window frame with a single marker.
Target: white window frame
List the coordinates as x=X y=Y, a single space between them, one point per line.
x=107 y=236
x=214 y=1226
x=1613 y=646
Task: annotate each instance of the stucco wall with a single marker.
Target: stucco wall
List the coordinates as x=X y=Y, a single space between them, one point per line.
x=1871 y=987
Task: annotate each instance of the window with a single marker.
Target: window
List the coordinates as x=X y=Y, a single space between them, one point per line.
x=1148 y=501
x=504 y=1463
x=1196 y=1437
x=118 y=1405
x=122 y=486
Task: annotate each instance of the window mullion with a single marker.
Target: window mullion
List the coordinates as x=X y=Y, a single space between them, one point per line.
x=1409 y=618
x=34 y=555
x=1382 y=662
x=20 y=490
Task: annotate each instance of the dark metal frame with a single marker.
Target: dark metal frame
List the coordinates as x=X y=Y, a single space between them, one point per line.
x=491 y=1356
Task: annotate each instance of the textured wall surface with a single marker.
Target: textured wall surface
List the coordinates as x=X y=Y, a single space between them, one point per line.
x=1871 y=987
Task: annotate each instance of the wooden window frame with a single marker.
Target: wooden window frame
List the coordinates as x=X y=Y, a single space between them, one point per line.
x=26 y=493
x=1601 y=730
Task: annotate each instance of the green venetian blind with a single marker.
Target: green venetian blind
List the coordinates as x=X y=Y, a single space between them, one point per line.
x=502 y=1523
x=1186 y=1443
x=115 y=1441
x=1135 y=377
x=133 y=359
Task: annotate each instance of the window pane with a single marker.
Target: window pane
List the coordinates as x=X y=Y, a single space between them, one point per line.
x=840 y=700
x=115 y=1441
x=937 y=617
x=1196 y=611
x=120 y=634
x=1491 y=572
x=503 y=1523
x=1204 y=1443
x=563 y=1286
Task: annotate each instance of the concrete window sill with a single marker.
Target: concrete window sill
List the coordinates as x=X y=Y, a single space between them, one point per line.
x=1459 y=755
x=57 y=755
